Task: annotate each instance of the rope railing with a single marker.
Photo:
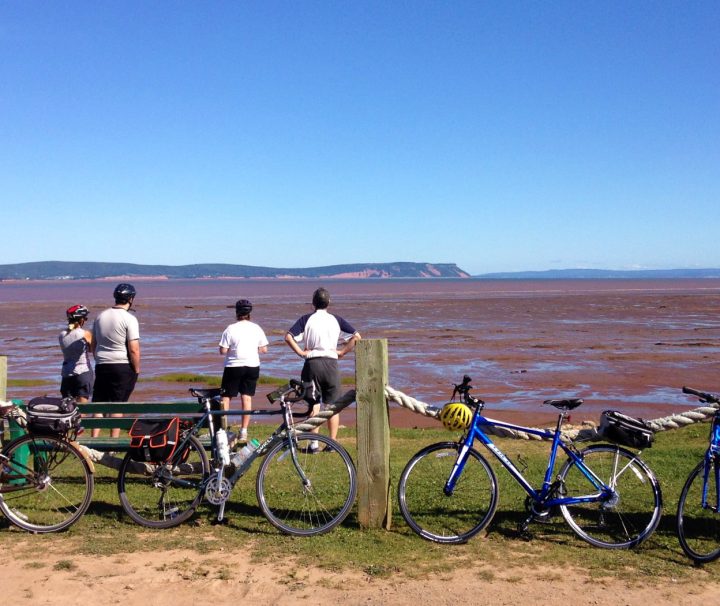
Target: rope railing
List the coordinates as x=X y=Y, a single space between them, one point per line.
x=589 y=432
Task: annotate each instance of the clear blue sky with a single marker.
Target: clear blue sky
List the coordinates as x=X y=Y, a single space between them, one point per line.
x=496 y=135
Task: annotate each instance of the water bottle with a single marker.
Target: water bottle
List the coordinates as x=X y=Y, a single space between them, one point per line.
x=223 y=448
x=242 y=455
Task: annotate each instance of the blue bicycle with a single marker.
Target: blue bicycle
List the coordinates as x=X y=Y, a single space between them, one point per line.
x=448 y=492
x=698 y=514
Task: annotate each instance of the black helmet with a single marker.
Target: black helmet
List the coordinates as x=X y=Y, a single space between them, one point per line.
x=77 y=312
x=321 y=298
x=124 y=293
x=243 y=307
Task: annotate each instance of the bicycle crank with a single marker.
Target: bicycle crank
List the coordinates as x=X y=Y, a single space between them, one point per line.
x=217 y=492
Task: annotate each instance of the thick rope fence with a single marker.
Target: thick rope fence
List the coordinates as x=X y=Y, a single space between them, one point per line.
x=587 y=432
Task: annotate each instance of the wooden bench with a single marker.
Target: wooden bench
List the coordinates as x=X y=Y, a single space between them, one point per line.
x=130 y=412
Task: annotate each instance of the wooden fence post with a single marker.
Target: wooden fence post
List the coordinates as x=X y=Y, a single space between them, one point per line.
x=373 y=434
x=3 y=378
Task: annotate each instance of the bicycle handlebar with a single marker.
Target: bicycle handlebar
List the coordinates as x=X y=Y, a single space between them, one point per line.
x=704 y=396
x=463 y=389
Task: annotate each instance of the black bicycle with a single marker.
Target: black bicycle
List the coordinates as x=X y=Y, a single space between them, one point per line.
x=299 y=492
x=46 y=483
x=698 y=514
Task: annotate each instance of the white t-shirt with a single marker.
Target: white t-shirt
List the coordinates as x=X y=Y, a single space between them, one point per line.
x=242 y=340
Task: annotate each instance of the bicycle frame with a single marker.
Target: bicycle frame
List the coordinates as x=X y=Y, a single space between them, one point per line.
x=206 y=419
x=712 y=454
x=541 y=496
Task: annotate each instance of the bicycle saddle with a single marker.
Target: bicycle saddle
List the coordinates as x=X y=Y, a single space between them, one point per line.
x=205 y=393
x=565 y=404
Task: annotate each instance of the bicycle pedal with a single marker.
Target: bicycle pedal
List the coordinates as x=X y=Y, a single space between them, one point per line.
x=220 y=522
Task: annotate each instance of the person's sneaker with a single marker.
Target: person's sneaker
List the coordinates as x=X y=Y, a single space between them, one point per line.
x=328 y=448
x=312 y=448
x=243 y=436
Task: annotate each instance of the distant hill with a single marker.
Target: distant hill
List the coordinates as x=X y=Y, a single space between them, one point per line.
x=74 y=270
x=603 y=274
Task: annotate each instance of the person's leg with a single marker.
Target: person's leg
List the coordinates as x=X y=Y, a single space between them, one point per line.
x=334 y=425
x=247 y=407
x=224 y=405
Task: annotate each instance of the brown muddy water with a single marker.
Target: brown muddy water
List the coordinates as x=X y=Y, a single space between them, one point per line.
x=622 y=344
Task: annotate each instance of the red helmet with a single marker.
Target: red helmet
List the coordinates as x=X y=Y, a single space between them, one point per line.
x=77 y=312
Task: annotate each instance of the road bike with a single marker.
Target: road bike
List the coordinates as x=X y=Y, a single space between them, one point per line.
x=301 y=490
x=46 y=483
x=608 y=496
x=698 y=513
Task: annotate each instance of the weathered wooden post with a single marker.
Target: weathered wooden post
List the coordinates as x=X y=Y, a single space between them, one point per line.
x=3 y=378
x=373 y=434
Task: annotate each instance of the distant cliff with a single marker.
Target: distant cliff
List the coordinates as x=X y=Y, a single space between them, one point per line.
x=74 y=270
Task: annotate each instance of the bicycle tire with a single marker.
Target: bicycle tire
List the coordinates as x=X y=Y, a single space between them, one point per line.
x=624 y=521
x=698 y=528
x=164 y=495
x=306 y=510
x=57 y=483
x=443 y=518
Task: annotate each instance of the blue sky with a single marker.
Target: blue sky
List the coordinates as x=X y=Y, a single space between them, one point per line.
x=496 y=135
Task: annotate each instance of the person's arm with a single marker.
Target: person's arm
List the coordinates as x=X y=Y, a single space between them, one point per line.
x=134 y=355
x=349 y=346
x=89 y=338
x=290 y=340
x=223 y=350
x=262 y=349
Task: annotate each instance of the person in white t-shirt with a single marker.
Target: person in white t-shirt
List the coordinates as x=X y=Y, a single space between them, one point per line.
x=315 y=338
x=241 y=344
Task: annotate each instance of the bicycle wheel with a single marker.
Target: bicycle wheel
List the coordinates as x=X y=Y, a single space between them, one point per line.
x=164 y=495
x=441 y=517
x=312 y=506
x=698 y=527
x=46 y=483
x=626 y=519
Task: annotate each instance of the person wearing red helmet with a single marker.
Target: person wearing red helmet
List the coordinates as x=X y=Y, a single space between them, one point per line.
x=77 y=376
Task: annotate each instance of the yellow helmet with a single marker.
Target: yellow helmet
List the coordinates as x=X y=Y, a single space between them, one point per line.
x=456 y=416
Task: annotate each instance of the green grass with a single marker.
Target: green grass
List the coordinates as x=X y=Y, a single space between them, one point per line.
x=106 y=530
x=27 y=382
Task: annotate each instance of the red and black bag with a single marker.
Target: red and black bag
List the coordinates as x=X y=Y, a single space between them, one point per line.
x=154 y=441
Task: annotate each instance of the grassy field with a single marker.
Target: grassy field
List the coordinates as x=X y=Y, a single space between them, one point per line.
x=106 y=530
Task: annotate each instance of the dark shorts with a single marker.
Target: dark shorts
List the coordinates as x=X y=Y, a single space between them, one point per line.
x=239 y=380
x=326 y=373
x=113 y=382
x=77 y=386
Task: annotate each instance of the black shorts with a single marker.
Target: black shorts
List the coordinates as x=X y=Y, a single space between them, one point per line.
x=113 y=382
x=77 y=386
x=327 y=374
x=239 y=380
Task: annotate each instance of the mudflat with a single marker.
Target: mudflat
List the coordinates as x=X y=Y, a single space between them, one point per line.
x=624 y=344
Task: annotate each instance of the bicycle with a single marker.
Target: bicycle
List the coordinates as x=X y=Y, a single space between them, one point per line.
x=608 y=496
x=299 y=492
x=698 y=513
x=46 y=483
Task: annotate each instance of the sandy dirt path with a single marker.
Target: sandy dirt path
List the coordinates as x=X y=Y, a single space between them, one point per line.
x=185 y=578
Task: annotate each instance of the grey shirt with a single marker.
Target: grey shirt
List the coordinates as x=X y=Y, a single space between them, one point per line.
x=112 y=330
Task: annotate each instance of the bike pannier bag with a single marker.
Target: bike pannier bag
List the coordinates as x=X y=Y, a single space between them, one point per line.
x=55 y=416
x=625 y=430
x=154 y=441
